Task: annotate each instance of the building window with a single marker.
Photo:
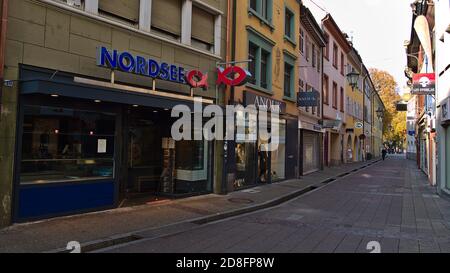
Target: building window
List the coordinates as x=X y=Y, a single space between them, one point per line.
x=326 y=90
x=302 y=41
x=335 y=55
x=288 y=80
x=342 y=63
x=307 y=90
x=261 y=65
x=326 y=50
x=202 y=29
x=262 y=9
x=265 y=68
x=319 y=61
x=306 y=48
x=254 y=4
x=335 y=96
x=313 y=57
x=278 y=157
x=73 y=3
x=167 y=26
x=65 y=145
x=289 y=25
x=342 y=100
x=252 y=52
x=121 y=9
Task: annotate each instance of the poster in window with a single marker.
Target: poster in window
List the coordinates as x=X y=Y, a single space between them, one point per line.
x=101 y=146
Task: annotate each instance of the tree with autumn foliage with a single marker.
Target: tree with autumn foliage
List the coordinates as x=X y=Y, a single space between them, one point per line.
x=394 y=122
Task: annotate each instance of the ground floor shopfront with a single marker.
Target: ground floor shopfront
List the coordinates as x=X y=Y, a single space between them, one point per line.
x=248 y=163
x=82 y=148
x=310 y=148
x=333 y=148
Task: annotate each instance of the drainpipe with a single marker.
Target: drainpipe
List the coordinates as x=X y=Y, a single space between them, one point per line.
x=4 y=24
x=227 y=96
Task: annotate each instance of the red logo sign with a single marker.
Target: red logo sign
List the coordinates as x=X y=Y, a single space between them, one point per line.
x=233 y=76
x=424 y=84
x=196 y=79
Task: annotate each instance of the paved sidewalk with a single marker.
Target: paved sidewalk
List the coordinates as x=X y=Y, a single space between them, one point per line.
x=390 y=203
x=55 y=233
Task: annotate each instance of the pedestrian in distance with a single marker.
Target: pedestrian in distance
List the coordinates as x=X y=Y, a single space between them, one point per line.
x=383 y=153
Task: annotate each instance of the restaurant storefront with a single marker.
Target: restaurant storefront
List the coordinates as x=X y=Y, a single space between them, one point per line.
x=86 y=145
x=86 y=111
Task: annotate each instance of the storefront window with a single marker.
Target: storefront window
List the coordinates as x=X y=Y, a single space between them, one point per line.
x=191 y=167
x=190 y=155
x=245 y=152
x=62 y=144
x=278 y=155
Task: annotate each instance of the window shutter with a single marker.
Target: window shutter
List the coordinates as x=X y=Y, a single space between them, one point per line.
x=127 y=9
x=202 y=25
x=166 y=15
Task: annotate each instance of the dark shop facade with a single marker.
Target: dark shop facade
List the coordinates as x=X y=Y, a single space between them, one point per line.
x=86 y=116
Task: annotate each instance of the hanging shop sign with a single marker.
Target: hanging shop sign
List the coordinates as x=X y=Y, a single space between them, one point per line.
x=264 y=103
x=127 y=62
x=424 y=84
x=308 y=99
x=233 y=76
x=331 y=124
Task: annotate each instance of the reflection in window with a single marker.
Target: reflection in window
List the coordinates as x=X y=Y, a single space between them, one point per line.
x=61 y=144
x=278 y=155
x=190 y=155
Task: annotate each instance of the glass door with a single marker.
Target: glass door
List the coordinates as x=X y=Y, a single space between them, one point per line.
x=144 y=156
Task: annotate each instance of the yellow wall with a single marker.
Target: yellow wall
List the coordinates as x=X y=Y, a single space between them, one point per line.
x=356 y=95
x=243 y=19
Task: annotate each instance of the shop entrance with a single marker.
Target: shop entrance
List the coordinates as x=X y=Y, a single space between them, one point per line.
x=157 y=166
x=144 y=153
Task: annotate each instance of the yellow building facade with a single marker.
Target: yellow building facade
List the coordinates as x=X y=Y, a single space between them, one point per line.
x=265 y=41
x=354 y=111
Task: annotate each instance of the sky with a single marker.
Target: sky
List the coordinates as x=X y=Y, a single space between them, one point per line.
x=379 y=29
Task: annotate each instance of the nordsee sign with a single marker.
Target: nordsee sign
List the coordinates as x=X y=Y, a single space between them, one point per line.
x=126 y=62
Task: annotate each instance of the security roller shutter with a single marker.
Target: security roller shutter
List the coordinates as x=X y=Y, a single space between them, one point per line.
x=127 y=9
x=166 y=15
x=311 y=161
x=202 y=25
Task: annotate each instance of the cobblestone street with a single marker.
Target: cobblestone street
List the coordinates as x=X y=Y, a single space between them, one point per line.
x=389 y=202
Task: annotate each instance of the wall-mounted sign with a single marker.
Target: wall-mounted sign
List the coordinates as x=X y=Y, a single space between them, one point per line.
x=264 y=103
x=196 y=79
x=126 y=62
x=359 y=125
x=424 y=84
x=308 y=99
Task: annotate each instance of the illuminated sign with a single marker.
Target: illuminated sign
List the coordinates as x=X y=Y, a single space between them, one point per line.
x=424 y=84
x=228 y=75
x=196 y=79
x=127 y=62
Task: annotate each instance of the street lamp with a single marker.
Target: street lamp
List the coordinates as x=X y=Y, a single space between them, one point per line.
x=353 y=78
